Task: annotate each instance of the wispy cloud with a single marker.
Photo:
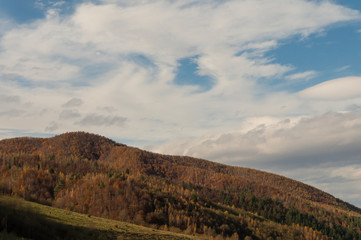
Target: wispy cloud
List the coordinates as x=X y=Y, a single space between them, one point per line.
x=99 y=120
x=302 y=76
x=44 y=4
x=343 y=68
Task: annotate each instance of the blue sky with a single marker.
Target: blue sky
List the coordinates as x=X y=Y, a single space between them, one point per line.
x=332 y=54
x=187 y=74
x=25 y=11
x=21 y=10
x=273 y=85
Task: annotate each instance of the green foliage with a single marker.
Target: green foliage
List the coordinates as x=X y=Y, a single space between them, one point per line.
x=60 y=184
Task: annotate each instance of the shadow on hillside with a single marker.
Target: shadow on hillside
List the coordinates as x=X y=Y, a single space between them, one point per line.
x=30 y=225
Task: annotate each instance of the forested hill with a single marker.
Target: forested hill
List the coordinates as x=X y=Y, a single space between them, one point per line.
x=91 y=174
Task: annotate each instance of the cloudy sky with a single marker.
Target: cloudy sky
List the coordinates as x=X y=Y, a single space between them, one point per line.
x=268 y=84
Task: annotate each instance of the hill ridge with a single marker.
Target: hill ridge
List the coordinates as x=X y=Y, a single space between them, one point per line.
x=92 y=174
x=96 y=145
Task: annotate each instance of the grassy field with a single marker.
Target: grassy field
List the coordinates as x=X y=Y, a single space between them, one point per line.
x=30 y=220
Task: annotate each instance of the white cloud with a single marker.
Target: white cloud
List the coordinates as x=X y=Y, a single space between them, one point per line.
x=44 y=4
x=286 y=141
x=322 y=150
x=58 y=3
x=228 y=28
x=39 y=4
x=303 y=75
x=343 y=68
x=87 y=55
x=341 y=88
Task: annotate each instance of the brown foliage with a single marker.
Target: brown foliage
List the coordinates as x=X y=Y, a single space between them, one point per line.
x=90 y=174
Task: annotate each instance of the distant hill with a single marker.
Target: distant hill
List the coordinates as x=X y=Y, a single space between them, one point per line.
x=94 y=175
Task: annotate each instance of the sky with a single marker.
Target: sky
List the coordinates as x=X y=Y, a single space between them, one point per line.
x=273 y=85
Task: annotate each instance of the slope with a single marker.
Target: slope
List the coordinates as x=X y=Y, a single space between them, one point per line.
x=36 y=221
x=94 y=175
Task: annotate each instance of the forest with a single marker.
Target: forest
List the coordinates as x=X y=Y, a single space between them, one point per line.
x=91 y=174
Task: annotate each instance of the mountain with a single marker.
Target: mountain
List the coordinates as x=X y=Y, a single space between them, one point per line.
x=90 y=174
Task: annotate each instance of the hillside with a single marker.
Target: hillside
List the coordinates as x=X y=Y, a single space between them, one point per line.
x=91 y=174
x=36 y=221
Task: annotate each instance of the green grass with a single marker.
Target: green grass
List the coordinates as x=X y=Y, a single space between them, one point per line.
x=35 y=221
